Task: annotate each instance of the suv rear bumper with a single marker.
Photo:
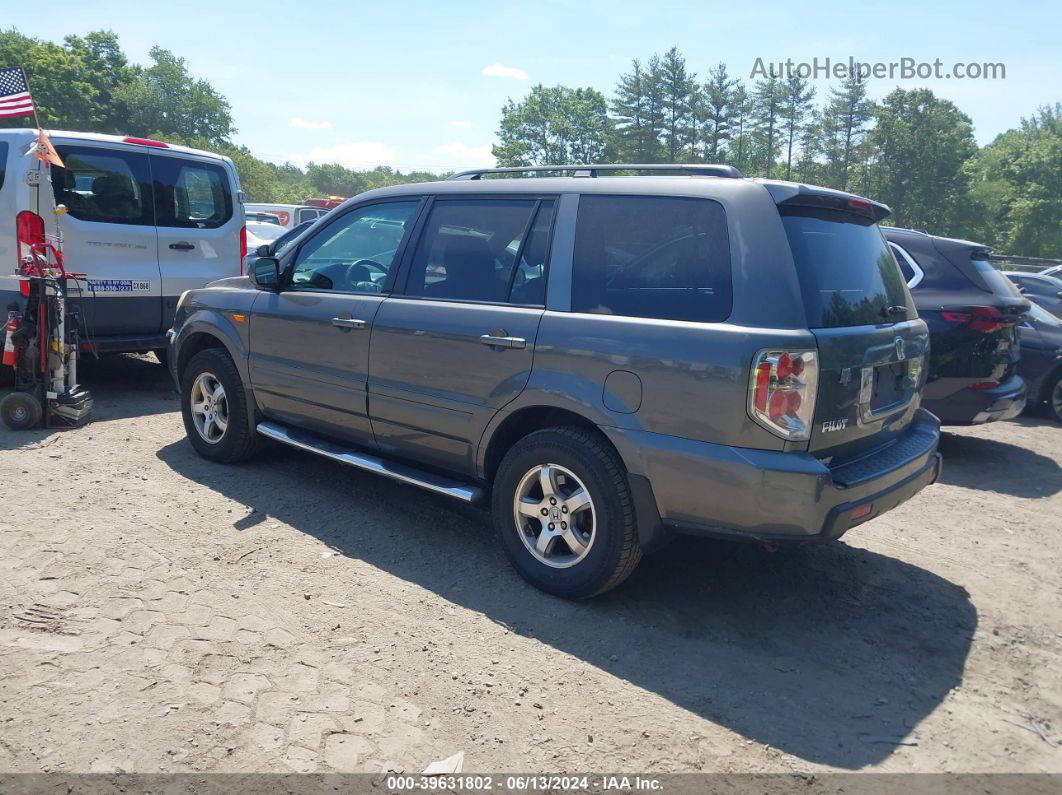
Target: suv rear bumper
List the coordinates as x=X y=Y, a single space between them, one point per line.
x=715 y=490
x=975 y=406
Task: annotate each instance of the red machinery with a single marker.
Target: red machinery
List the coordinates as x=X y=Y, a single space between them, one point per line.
x=41 y=344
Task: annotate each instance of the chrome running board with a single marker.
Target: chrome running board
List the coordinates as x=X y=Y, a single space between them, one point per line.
x=370 y=463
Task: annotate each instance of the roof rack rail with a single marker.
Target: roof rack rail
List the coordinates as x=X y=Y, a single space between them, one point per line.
x=587 y=170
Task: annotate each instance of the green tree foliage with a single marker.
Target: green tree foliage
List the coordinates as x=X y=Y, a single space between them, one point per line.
x=553 y=126
x=921 y=144
x=797 y=105
x=716 y=111
x=679 y=91
x=166 y=98
x=767 y=110
x=843 y=127
x=1017 y=187
x=638 y=112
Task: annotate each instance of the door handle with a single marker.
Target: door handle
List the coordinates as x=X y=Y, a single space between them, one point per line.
x=182 y=246
x=347 y=322
x=503 y=342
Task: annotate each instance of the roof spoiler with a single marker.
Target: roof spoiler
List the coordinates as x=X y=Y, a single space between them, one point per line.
x=593 y=170
x=809 y=196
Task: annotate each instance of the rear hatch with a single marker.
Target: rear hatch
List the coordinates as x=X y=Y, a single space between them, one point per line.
x=974 y=328
x=872 y=345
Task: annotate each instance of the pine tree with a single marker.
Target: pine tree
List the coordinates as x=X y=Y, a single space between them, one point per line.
x=845 y=119
x=738 y=148
x=679 y=87
x=796 y=107
x=717 y=106
x=767 y=109
x=637 y=108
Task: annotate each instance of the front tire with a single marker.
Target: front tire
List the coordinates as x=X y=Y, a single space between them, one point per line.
x=563 y=513
x=215 y=409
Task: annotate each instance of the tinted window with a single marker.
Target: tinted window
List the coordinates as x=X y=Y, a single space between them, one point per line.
x=848 y=275
x=3 y=161
x=191 y=194
x=529 y=281
x=355 y=252
x=649 y=256
x=1043 y=287
x=103 y=185
x=468 y=249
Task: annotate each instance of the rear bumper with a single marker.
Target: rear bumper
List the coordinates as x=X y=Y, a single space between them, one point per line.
x=715 y=490
x=975 y=406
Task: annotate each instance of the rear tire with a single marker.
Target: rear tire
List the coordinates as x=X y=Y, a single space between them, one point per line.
x=215 y=409
x=21 y=411
x=586 y=542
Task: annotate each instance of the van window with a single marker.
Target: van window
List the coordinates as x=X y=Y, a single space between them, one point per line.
x=468 y=249
x=652 y=256
x=103 y=185
x=848 y=276
x=190 y=193
x=3 y=161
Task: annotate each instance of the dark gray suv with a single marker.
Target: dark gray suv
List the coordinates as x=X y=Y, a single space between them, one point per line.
x=604 y=360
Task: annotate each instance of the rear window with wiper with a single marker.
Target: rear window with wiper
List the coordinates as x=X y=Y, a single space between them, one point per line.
x=848 y=276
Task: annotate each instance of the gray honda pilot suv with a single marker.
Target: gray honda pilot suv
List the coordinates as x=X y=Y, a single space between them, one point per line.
x=604 y=360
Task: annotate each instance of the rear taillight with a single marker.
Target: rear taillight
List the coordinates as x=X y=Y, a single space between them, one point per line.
x=243 y=248
x=782 y=392
x=29 y=231
x=978 y=318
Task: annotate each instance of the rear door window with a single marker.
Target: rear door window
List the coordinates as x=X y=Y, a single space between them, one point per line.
x=848 y=276
x=469 y=248
x=190 y=193
x=652 y=256
x=104 y=185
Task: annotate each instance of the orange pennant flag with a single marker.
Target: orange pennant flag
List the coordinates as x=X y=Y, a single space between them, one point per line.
x=44 y=150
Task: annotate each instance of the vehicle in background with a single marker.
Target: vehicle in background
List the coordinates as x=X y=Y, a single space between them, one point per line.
x=259 y=234
x=145 y=220
x=610 y=359
x=1055 y=270
x=1043 y=290
x=1041 y=360
x=326 y=203
x=265 y=218
x=289 y=215
x=275 y=247
x=973 y=312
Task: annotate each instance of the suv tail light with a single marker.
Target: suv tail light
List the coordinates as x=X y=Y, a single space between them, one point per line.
x=979 y=318
x=29 y=231
x=243 y=249
x=782 y=392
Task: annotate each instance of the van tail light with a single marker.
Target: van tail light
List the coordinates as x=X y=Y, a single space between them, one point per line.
x=978 y=318
x=782 y=392
x=243 y=248
x=29 y=231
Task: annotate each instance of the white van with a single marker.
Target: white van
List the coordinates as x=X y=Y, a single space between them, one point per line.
x=145 y=221
x=291 y=215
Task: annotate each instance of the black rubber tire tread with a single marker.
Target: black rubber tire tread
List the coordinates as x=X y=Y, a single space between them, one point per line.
x=239 y=442
x=34 y=411
x=594 y=460
x=1049 y=391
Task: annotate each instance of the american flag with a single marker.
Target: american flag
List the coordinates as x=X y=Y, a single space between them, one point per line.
x=15 y=99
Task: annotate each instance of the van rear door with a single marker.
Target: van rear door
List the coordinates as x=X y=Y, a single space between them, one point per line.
x=871 y=343
x=109 y=234
x=199 y=223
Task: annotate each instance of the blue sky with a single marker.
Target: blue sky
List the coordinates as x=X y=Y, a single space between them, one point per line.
x=410 y=84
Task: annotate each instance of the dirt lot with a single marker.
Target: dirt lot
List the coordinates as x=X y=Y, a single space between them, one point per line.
x=161 y=613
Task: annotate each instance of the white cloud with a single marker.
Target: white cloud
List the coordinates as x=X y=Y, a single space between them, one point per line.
x=300 y=123
x=498 y=70
x=461 y=123
x=466 y=155
x=356 y=155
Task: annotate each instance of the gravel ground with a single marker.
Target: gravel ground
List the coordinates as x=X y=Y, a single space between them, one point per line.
x=162 y=613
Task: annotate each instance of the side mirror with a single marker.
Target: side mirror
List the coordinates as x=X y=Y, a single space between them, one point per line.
x=262 y=250
x=265 y=273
